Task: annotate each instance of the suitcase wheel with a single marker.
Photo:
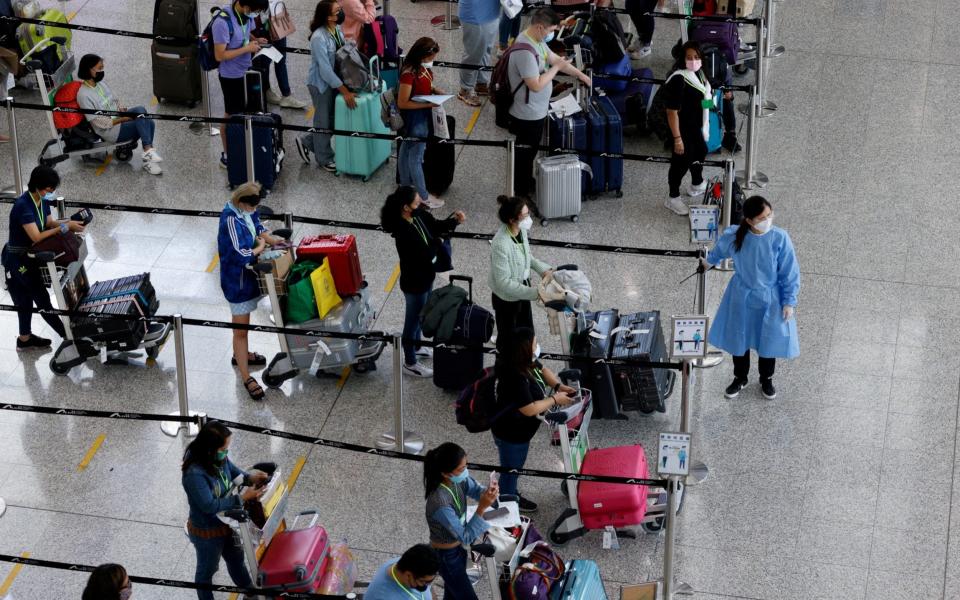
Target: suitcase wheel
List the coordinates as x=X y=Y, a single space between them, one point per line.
x=543 y=222
x=123 y=154
x=272 y=381
x=575 y=218
x=653 y=527
x=740 y=69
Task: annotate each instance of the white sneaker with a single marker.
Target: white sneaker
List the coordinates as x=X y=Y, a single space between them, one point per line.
x=677 y=205
x=433 y=202
x=697 y=190
x=424 y=352
x=418 y=370
x=291 y=102
x=641 y=52
x=274 y=98
x=152 y=155
x=152 y=168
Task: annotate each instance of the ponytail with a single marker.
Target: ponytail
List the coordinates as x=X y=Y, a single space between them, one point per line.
x=753 y=207
x=445 y=458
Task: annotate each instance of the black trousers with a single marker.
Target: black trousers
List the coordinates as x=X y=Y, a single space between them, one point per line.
x=509 y=316
x=644 y=25
x=741 y=366
x=691 y=160
x=530 y=133
x=27 y=290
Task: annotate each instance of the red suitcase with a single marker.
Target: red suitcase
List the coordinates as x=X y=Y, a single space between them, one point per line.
x=344 y=259
x=616 y=504
x=296 y=559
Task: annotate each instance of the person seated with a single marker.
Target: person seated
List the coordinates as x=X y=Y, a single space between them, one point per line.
x=95 y=95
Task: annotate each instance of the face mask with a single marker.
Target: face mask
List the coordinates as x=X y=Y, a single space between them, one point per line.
x=222 y=455
x=50 y=196
x=421 y=588
x=98 y=77
x=526 y=223
x=694 y=65
x=249 y=213
x=764 y=225
x=549 y=37
x=427 y=65
x=125 y=593
x=536 y=352
x=461 y=477
x=341 y=16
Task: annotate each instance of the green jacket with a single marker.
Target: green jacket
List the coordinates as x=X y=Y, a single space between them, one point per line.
x=439 y=314
x=510 y=265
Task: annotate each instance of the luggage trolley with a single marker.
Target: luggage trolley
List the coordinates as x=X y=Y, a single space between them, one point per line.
x=86 y=338
x=500 y=573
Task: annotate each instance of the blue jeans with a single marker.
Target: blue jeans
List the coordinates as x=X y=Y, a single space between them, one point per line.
x=512 y=456
x=137 y=129
x=509 y=28
x=411 y=325
x=453 y=569
x=410 y=157
x=263 y=63
x=209 y=552
x=323 y=106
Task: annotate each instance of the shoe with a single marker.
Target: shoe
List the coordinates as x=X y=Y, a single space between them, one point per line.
x=641 y=52
x=733 y=390
x=223 y=160
x=330 y=167
x=697 y=190
x=526 y=505
x=424 y=352
x=255 y=392
x=291 y=102
x=34 y=341
x=274 y=98
x=730 y=142
x=766 y=388
x=152 y=155
x=677 y=205
x=303 y=151
x=152 y=168
x=482 y=89
x=418 y=370
x=469 y=97
x=433 y=202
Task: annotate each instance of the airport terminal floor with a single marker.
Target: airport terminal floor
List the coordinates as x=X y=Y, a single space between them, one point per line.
x=842 y=487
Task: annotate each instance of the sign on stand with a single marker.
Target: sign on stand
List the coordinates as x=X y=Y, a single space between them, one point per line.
x=704 y=223
x=688 y=337
x=673 y=454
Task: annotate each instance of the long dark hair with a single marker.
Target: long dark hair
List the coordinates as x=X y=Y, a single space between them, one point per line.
x=391 y=214
x=443 y=459
x=680 y=54
x=421 y=49
x=518 y=358
x=321 y=15
x=203 y=450
x=105 y=583
x=753 y=207
x=510 y=208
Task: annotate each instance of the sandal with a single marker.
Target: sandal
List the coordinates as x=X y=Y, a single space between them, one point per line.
x=256 y=392
x=253 y=359
x=469 y=98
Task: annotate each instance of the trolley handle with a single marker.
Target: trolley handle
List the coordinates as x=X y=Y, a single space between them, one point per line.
x=261 y=267
x=45 y=256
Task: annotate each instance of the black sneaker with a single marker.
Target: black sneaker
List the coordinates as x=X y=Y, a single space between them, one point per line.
x=32 y=342
x=733 y=390
x=303 y=151
x=766 y=387
x=526 y=505
x=223 y=160
x=730 y=142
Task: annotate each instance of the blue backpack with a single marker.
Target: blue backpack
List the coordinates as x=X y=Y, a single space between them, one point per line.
x=205 y=52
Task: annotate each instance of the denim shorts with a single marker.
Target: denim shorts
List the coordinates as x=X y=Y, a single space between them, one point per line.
x=244 y=308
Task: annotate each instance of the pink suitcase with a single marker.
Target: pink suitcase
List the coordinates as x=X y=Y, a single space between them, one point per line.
x=296 y=559
x=616 y=504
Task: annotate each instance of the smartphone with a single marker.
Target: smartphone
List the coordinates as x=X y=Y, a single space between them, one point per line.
x=496 y=513
x=494 y=478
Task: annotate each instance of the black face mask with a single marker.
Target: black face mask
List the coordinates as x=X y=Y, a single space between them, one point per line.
x=421 y=588
x=341 y=17
x=98 y=77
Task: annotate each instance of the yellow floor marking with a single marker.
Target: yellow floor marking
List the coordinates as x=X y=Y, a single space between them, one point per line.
x=213 y=263
x=295 y=474
x=309 y=114
x=154 y=101
x=343 y=377
x=8 y=582
x=473 y=121
x=104 y=166
x=72 y=14
x=393 y=279
x=93 y=450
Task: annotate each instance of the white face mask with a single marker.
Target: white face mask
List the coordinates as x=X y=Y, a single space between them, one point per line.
x=526 y=223
x=427 y=65
x=536 y=352
x=764 y=225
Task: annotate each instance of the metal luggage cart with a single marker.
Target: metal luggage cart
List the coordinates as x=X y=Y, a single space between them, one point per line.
x=70 y=285
x=498 y=573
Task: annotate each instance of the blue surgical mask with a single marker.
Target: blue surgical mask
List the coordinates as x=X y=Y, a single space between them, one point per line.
x=549 y=37
x=50 y=196
x=461 y=477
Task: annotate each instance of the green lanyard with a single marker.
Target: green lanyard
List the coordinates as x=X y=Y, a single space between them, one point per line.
x=225 y=481
x=337 y=36
x=106 y=101
x=539 y=377
x=456 y=502
x=39 y=209
x=420 y=229
x=393 y=574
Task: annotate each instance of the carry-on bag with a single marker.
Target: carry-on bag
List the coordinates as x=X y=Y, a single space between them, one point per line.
x=725 y=36
x=344 y=258
x=341 y=572
x=268 y=151
x=613 y=144
x=581 y=581
x=439 y=161
x=715 y=120
x=539 y=569
x=639 y=337
x=176 y=73
x=31 y=34
x=296 y=558
x=358 y=155
x=615 y=504
x=558 y=193
x=454 y=368
x=633 y=102
x=175 y=18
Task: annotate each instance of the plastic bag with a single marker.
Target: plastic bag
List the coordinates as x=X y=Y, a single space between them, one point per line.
x=340 y=573
x=301 y=303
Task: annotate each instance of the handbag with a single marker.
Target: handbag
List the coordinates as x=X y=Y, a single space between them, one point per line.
x=444 y=260
x=65 y=248
x=324 y=288
x=301 y=304
x=503 y=543
x=281 y=25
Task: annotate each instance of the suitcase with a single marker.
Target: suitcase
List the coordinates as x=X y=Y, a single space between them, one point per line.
x=474 y=323
x=725 y=36
x=558 y=190
x=570 y=133
x=616 y=504
x=176 y=73
x=295 y=559
x=596 y=375
x=175 y=18
x=715 y=66
x=581 y=581
x=133 y=296
x=344 y=258
x=439 y=161
x=352 y=315
x=716 y=123
x=455 y=369
x=596 y=142
x=633 y=103
x=737 y=8
x=357 y=155
x=620 y=68
x=613 y=143
x=641 y=388
x=31 y=34
x=268 y=152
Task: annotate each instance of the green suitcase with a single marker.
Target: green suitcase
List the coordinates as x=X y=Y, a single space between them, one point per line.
x=358 y=155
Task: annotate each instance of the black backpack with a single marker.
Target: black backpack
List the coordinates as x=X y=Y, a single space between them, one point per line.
x=714 y=65
x=501 y=94
x=476 y=407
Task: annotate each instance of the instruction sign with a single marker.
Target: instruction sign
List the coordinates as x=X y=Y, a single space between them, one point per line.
x=703 y=223
x=673 y=453
x=688 y=336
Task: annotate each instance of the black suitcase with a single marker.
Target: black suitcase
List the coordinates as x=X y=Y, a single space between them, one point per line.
x=175 y=18
x=641 y=388
x=455 y=369
x=598 y=378
x=268 y=152
x=133 y=296
x=176 y=73
x=439 y=161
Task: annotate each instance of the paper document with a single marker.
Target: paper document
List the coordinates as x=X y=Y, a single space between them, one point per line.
x=567 y=105
x=271 y=53
x=437 y=99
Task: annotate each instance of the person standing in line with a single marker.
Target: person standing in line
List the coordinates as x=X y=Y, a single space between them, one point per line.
x=416 y=79
x=644 y=25
x=688 y=100
x=757 y=309
x=480 y=21
x=108 y=582
x=284 y=99
x=406 y=578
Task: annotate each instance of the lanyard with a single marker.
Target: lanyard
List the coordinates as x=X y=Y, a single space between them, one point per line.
x=39 y=209
x=519 y=242
x=393 y=574
x=420 y=229
x=224 y=480
x=456 y=502
x=539 y=377
x=337 y=36
x=244 y=26
x=107 y=104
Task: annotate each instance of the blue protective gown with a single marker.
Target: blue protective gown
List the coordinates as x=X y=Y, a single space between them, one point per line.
x=767 y=278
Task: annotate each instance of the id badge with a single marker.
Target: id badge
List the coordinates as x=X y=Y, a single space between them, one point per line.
x=707 y=104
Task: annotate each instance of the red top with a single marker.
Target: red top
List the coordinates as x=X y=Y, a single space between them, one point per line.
x=422 y=82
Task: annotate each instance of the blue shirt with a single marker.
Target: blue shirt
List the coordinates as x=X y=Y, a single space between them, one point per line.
x=24 y=212
x=208 y=494
x=384 y=587
x=479 y=12
x=235 y=241
x=323 y=58
x=446 y=513
x=233 y=68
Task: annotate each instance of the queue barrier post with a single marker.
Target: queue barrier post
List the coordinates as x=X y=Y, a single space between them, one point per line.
x=204 y=85
x=398 y=439
x=670 y=585
x=288 y=220
x=766 y=107
x=750 y=178
x=713 y=357
x=726 y=212
x=15 y=147
x=698 y=470
x=769 y=13
x=386 y=8
x=511 y=161
x=172 y=428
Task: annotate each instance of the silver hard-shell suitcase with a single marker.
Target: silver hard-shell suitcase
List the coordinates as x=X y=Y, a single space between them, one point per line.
x=559 y=191
x=352 y=315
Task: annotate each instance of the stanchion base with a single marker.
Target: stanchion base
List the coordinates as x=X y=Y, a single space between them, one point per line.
x=683 y=588
x=767 y=109
x=172 y=428
x=3 y=507
x=760 y=180
x=412 y=442
x=698 y=473
x=776 y=52
x=441 y=22
x=713 y=359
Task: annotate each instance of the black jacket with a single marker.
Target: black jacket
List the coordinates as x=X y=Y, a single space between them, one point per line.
x=417 y=254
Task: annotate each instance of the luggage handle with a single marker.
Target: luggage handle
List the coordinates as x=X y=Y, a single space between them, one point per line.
x=246 y=90
x=469 y=281
x=375 y=80
x=313 y=521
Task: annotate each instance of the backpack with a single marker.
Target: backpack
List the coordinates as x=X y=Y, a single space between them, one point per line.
x=66 y=97
x=714 y=65
x=205 y=52
x=351 y=67
x=476 y=407
x=657 y=118
x=501 y=94
x=389 y=113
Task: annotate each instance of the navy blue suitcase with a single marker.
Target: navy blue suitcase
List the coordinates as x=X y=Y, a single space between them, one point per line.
x=267 y=152
x=613 y=142
x=570 y=133
x=633 y=102
x=596 y=142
